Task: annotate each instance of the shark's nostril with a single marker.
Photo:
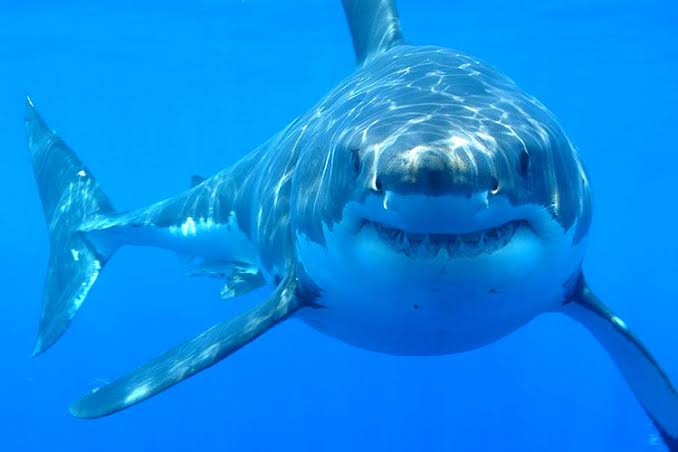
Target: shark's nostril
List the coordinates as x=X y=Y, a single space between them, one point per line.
x=494 y=185
x=377 y=184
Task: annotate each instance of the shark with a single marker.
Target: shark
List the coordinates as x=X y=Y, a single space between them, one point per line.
x=425 y=206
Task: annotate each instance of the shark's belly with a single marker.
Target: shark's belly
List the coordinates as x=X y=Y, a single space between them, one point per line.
x=192 y=237
x=383 y=301
x=425 y=321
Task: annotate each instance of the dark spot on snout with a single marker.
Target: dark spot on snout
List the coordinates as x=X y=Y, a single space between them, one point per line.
x=415 y=306
x=433 y=172
x=429 y=172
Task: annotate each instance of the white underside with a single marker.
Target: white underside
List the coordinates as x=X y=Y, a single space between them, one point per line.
x=380 y=299
x=193 y=237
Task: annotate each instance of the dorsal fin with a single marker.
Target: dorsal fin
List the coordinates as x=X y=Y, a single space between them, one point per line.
x=374 y=25
x=196 y=180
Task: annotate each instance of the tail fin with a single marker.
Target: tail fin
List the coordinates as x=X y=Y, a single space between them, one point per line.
x=70 y=196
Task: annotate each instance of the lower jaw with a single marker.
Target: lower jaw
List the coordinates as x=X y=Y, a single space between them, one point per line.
x=451 y=246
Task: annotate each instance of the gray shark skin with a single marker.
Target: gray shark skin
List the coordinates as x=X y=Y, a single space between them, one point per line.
x=425 y=206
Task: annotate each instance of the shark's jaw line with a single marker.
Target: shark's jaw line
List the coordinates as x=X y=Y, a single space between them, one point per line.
x=455 y=280
x=453 y=245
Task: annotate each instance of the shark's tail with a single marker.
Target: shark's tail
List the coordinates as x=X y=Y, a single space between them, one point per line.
x=70 y=197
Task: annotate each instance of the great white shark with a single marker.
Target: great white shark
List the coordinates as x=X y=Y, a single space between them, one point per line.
x=425 y=206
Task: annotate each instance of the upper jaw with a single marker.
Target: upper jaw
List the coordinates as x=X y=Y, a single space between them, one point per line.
x=453 y=245
x=455 y=225
x=449 y=214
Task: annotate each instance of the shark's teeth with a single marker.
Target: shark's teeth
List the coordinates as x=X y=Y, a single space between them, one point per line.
x=455 y=245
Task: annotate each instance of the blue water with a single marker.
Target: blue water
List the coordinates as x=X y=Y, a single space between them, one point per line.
x=150 y=94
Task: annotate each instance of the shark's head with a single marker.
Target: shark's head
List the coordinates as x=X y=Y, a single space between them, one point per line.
x=430 y=182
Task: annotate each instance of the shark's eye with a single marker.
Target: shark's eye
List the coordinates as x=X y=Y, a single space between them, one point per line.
x=355 y=159
x=524 y=162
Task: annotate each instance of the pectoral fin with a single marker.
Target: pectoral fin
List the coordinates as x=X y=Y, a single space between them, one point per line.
x=190 y=357
x=647 y=380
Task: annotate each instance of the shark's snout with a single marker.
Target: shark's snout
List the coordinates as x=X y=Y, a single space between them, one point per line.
x=435 y=172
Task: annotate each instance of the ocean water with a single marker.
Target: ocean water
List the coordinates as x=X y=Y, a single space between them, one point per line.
x=149 y=94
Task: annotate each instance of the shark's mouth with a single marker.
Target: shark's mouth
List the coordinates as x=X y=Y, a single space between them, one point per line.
x=465 y=245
